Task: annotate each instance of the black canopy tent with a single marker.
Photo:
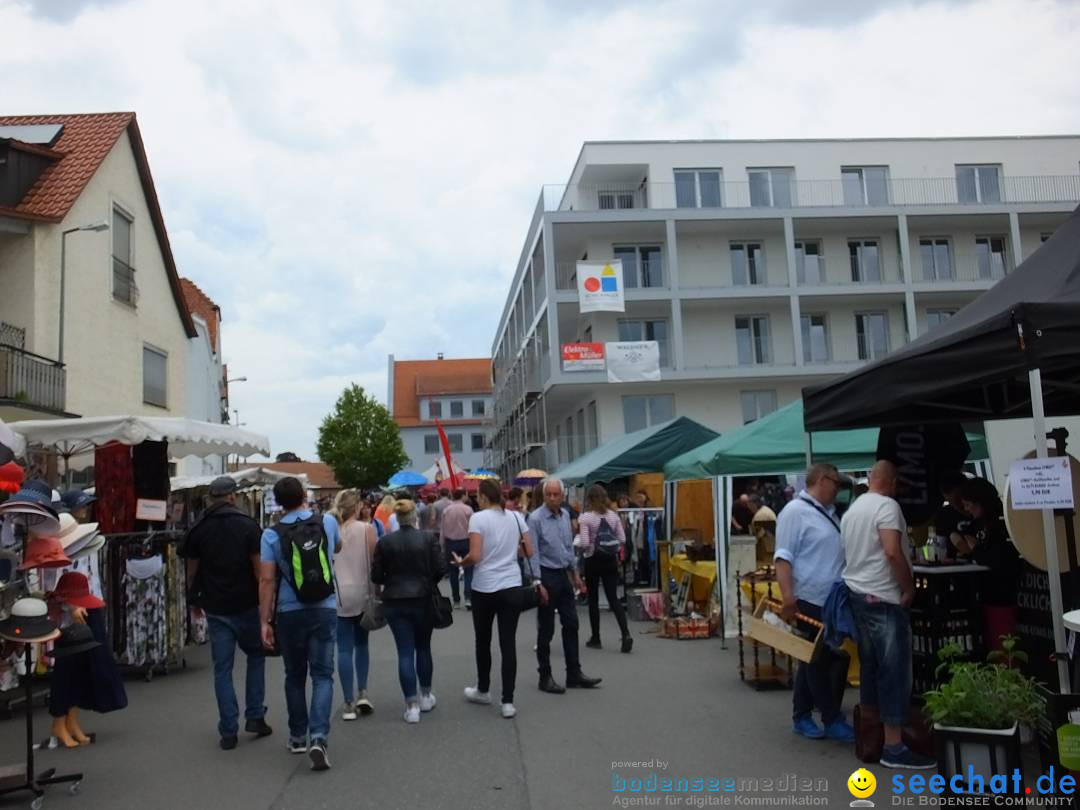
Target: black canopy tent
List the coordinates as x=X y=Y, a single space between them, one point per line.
x=1012 y=352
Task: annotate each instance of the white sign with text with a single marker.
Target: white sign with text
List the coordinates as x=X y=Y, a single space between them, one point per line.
x=1041 y=483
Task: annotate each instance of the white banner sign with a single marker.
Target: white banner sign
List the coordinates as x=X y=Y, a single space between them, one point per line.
x=600 y=287
x=637 y=361
x=1041 y=483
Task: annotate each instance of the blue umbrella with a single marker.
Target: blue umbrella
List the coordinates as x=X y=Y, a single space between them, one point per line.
x=407 y=478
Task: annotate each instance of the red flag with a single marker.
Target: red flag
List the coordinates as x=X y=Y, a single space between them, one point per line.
x=446 y=452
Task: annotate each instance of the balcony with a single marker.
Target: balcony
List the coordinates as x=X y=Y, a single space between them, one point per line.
x=31 y=382
x=921 y=191
x=643 y=274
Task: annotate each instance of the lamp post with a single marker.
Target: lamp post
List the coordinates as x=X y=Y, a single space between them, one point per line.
x=96 y=226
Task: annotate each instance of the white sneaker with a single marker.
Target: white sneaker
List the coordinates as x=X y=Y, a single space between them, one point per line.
x=508 y=710
x=365 y=706
x=427 y=702
x=412 y=714
x=474 y=695
x=349 y=712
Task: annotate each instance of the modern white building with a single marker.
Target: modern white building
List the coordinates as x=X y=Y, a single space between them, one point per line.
x=759 y=267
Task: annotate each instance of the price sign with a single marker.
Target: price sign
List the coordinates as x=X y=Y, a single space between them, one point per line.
x=1041 y=483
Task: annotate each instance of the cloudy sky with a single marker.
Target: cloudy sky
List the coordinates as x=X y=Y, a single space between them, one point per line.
x=353 y=179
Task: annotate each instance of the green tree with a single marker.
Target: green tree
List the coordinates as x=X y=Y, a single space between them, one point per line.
x=360 y=441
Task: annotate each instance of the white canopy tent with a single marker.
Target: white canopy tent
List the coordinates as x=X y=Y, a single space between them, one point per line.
x=255 y=477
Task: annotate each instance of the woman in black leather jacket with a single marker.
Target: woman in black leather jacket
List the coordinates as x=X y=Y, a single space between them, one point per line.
x=408 y=564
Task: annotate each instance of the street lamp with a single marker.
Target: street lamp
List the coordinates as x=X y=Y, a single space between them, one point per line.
x=96 y=226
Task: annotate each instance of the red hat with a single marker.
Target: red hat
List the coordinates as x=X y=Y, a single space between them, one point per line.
x=44 y=552
x=74 y=588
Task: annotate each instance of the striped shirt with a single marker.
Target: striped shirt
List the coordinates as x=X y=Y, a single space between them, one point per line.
x=589 y=525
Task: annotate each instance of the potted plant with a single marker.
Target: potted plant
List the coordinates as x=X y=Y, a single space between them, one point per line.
x=978 y=709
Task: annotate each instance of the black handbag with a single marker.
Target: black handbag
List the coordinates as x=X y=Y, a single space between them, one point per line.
x=442 y=611
x=527 y=595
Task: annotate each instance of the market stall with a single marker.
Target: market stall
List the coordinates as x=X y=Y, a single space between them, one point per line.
x=188 y=494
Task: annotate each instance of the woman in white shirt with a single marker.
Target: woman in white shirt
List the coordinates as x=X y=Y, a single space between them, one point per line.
x=352 y=570
x=494 y=537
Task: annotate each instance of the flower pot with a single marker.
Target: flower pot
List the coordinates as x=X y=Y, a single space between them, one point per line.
x=987 y=752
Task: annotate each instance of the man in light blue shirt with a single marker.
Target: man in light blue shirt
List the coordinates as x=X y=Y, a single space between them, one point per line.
x=809 y=559
x=306 y=630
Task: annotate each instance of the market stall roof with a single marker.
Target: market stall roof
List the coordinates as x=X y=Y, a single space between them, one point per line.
x=639 y=452
x=245 y=479
x=975 y=365
x=776 y=444
x=186 y=437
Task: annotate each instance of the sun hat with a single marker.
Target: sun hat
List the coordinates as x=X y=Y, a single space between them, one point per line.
x=76 y=499
x=74 y=588
x=71 y=531
x=44 y=552
x=37 y=493
x=96 y=542
x=29 y=621
x=74 y=639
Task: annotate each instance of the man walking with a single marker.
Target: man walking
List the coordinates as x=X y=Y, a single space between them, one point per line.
x=296 y=585
x=809 y=558
x=554 y=564
x=222 y=552
x=878 y=575
x=455 y=534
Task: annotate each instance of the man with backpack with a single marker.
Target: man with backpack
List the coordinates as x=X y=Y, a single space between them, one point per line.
x=298 y=609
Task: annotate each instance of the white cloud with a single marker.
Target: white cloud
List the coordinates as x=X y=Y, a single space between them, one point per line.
x=353 y=179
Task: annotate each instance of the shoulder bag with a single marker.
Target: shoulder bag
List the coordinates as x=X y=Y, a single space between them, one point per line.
x=442 y=611
x=525 y=596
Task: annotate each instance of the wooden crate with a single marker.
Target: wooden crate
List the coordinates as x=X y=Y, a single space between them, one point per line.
x=788 y=643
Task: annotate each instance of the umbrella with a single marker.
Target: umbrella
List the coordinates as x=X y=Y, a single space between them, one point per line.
x=480 y=475
x=529 y=477
x=407 y=478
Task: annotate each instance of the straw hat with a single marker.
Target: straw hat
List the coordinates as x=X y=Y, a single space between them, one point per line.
x=29 y=622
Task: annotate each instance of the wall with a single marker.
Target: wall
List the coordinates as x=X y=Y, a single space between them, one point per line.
x=709 y=331
x=203 y=396
x=17 y=282
x=420 y=460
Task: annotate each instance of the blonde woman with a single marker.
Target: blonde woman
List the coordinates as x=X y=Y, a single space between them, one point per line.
x=352 y=569
x=384 y=511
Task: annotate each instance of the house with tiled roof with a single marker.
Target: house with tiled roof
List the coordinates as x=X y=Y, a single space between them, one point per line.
x=93 y=318
x=454 y=393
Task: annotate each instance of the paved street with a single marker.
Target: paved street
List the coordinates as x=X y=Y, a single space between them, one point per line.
x=676 y=701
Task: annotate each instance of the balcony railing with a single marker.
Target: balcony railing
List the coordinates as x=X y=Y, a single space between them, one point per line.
x=817 y=194
x=641 y=275
x=30 y=380
x=124 y=287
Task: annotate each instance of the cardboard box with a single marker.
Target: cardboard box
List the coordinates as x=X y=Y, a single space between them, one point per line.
x=779 y=639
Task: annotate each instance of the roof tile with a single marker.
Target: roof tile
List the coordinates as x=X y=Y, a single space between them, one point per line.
x=416 y=378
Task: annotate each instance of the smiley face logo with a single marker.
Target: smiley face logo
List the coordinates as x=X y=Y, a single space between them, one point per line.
x=862 y=784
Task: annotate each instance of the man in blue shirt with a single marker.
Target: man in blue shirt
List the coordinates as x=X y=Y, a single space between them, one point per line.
x=809 y=559
x=554 y=564
x=306 y=630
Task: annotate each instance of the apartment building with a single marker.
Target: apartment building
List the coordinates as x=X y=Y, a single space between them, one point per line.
x=758 y=267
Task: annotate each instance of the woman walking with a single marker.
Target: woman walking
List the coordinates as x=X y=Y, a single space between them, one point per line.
x=408 y=564
x=383 y=512
x=604 y=541
x=494 y=537
x=352 y=568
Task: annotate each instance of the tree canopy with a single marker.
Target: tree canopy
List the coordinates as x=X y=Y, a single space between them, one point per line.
x=360 y=441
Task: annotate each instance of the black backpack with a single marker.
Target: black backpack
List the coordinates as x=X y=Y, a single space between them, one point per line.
x=606 y=542
x=305 y=551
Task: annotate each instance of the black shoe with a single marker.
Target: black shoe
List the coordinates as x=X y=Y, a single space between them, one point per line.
x=627 y=644
x=320 y=760
x=258 y=728
x=593 y=643
x=547 y=684
x=228 y=743
x=581 y=681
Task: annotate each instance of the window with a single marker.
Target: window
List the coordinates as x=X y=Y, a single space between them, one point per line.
x=155 y=371
x=434 y=409
x=815 y=339
x=990 y=254
x=936 y=259
x=478 y=407
x=431 y=443
x=454 y=440
x=747 y=263
x=124 y=288
x=646 y=330
x=865 y=185
x=611 y=200
x=457 y=409
x=477 y=441
x=872 y=334
x=936 y=317
x=641 y=412
x=579 y=431
x=978 y=184
x=697 y=188
x=570 y=455
x=642 y=265
x=756 y=404
x=865 y=258
x=752 y=340
x=772 y=188
x=591 y=425
x=809 y=262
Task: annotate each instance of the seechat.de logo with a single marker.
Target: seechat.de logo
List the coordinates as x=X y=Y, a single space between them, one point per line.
x=607 y=282
x=862 y=785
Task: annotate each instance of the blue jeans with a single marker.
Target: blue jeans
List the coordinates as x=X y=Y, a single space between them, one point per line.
x=226 y=633
x=410 y=621
x=884 y=657
x=820 y=682
x=307 y=643
x=352 y=640
x=461 y=548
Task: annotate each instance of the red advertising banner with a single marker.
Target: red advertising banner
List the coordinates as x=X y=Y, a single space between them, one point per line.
x=583 y=357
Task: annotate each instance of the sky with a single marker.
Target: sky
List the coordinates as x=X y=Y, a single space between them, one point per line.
x=349 y=180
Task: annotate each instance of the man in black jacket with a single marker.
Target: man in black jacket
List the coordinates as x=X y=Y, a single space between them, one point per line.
x=222 y=552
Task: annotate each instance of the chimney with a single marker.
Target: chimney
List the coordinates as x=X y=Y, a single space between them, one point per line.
x=439 y=356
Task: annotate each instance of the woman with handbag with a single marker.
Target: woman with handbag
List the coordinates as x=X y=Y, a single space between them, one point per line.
x=409 y=563
x=352 y=568
x=498 y=590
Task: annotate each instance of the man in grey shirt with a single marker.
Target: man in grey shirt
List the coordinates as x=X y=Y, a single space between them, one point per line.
x=554 y=565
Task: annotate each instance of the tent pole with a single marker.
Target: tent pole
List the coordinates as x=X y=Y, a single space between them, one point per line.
x=1053 y=564
x=809 y=449
x=721 y=545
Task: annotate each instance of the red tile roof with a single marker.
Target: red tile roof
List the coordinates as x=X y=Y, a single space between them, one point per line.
x=84 y=143
x=416 y=378
x=201 y=304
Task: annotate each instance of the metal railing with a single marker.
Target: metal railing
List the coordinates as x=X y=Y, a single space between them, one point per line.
x=646 y=275
x=30 y=379
x=815 y=194
x=124 y=287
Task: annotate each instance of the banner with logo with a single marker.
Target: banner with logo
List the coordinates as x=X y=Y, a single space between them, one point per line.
x=633 y=361
x=583 y=356
x=600 y=287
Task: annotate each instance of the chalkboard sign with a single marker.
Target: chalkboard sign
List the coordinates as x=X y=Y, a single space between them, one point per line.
x=1033 y=621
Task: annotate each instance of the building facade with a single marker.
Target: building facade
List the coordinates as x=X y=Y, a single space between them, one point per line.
x=207 y=390
x=758 y=267
x=456 y=393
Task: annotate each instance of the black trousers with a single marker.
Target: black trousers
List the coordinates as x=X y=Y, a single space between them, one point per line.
x=486 y=608
x=604 y=569
x=560 y=598
x=821 y=683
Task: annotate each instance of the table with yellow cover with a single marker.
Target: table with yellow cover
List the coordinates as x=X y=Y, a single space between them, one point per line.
x=702 y=576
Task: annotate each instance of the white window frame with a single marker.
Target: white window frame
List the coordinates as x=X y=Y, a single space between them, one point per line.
x=697 y=186
x=935 y=276
x=472 y=442
x=755 y=339
x=460 y=448
x=770 y=171
x=800 y=261
x=863 y=241
x=989 y=237
x=864 y=189
x=435 y=437
x=639 y=264
x=980 y=196
x=649 y=419
x=807 y=344
x=644 y=321
x=760 y=268
x=461 y=406
x=483 y=407
x=132 y=299
x=617 y=197
x=164 y=355
x=756 y=394
x=888 y=335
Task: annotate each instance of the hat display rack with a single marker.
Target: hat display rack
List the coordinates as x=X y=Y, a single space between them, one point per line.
x=25 y=620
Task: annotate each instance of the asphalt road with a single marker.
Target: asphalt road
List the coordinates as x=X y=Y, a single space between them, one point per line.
x=673 y=708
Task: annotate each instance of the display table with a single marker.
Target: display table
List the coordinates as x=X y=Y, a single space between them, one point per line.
x=702 y=573
x=947 y=609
